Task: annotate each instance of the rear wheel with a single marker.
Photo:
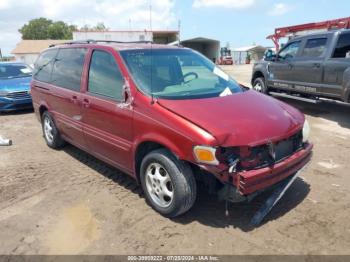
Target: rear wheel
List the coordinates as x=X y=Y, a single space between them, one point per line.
x=168 y=184
x=259 y=85
x=51 y=134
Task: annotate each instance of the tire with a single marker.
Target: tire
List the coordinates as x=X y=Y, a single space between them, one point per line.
x=52 y=137
x=259 y=85
x=157 y=168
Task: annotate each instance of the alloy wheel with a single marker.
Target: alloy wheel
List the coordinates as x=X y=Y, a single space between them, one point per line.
x=48 y=130
x=159 y=185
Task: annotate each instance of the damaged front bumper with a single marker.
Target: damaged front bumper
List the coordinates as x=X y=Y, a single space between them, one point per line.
x=254 y=180
x=244 y=185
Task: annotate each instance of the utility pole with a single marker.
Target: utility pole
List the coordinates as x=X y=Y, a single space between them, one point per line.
x=150 y=20
x=150 y=16
x=179 y=32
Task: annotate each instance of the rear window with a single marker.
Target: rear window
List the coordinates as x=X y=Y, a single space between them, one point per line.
x=314 y=47
x=342 y=50
x=43 y=65
x=68 y=67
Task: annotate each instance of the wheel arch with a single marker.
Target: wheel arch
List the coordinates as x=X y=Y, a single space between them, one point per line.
x=42 y=109
x=346 y=85
x=256 y=75
x=147 y=145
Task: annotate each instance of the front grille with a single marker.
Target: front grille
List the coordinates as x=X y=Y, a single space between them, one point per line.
x=19 y=95
x=260 y=156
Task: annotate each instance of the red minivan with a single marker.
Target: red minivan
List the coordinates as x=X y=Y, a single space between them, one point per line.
x=169 y=117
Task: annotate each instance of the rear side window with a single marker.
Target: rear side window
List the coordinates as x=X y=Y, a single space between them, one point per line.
x=43 y=66
x=68 y=67
x=314 y=47
x=105 y=78
x=342 y=49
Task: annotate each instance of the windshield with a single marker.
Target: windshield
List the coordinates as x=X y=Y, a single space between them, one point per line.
x=177 y=74
x=14 y=71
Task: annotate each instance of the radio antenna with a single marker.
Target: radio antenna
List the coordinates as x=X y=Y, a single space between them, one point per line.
x=152 y=96
x=150 y=27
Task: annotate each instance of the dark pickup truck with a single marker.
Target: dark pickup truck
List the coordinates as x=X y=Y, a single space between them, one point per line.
x=308 y=68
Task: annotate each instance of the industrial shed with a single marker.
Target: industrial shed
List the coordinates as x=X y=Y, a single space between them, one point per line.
x=208 y=47
x=254 y=53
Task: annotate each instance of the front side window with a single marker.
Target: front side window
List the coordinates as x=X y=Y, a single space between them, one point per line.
x=8 y=71
x=105 y=78
x=68 y=68
x=43 y=66
x=177 y=74
x=314 y=47
x=289 y=51
x=342 y=49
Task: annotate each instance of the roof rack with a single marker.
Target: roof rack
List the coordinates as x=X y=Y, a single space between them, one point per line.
x=342 y=23
x=91 y=41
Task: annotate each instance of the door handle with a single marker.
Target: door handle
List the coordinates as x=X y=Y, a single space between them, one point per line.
x=86 y=102
x=317 y=65
x=290 y=66
x=74 y=99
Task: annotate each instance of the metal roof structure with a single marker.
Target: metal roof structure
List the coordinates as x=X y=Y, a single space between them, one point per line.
x=291 y=31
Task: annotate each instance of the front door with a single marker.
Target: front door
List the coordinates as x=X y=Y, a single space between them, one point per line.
x=107 y=125
x=280 y=73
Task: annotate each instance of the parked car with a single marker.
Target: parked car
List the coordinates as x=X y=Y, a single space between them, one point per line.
x=15 y=86
x=311 y=66
x=167 y=123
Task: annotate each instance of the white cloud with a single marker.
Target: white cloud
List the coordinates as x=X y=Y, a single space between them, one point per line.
x=237 y=4
x=115 y=14
x=4 y=4
x=280 y=9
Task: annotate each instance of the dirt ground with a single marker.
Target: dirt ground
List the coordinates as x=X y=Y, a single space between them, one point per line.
x=67 y=202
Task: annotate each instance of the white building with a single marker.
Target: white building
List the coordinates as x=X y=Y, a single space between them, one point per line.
x=27 y=51
x=157 y=36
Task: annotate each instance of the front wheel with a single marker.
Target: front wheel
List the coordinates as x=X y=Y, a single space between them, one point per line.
x=168 y=184
x=259 y=85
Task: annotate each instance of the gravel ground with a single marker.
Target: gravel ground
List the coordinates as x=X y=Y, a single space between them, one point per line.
x=67 y=202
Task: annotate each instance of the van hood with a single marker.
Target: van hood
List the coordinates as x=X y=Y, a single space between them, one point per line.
x=242 y=119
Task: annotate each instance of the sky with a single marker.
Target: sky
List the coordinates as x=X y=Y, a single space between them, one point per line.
x=238 y=22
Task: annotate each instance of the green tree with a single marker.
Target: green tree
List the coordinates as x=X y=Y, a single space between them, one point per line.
x=42 y=28
x=100 y=27
x=59 y=30
x=36 y=29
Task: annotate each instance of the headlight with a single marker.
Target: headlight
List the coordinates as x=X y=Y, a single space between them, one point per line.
x=306 y=131
x=205 y=155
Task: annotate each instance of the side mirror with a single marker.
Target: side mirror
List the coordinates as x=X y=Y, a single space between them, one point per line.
x=272 y=57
